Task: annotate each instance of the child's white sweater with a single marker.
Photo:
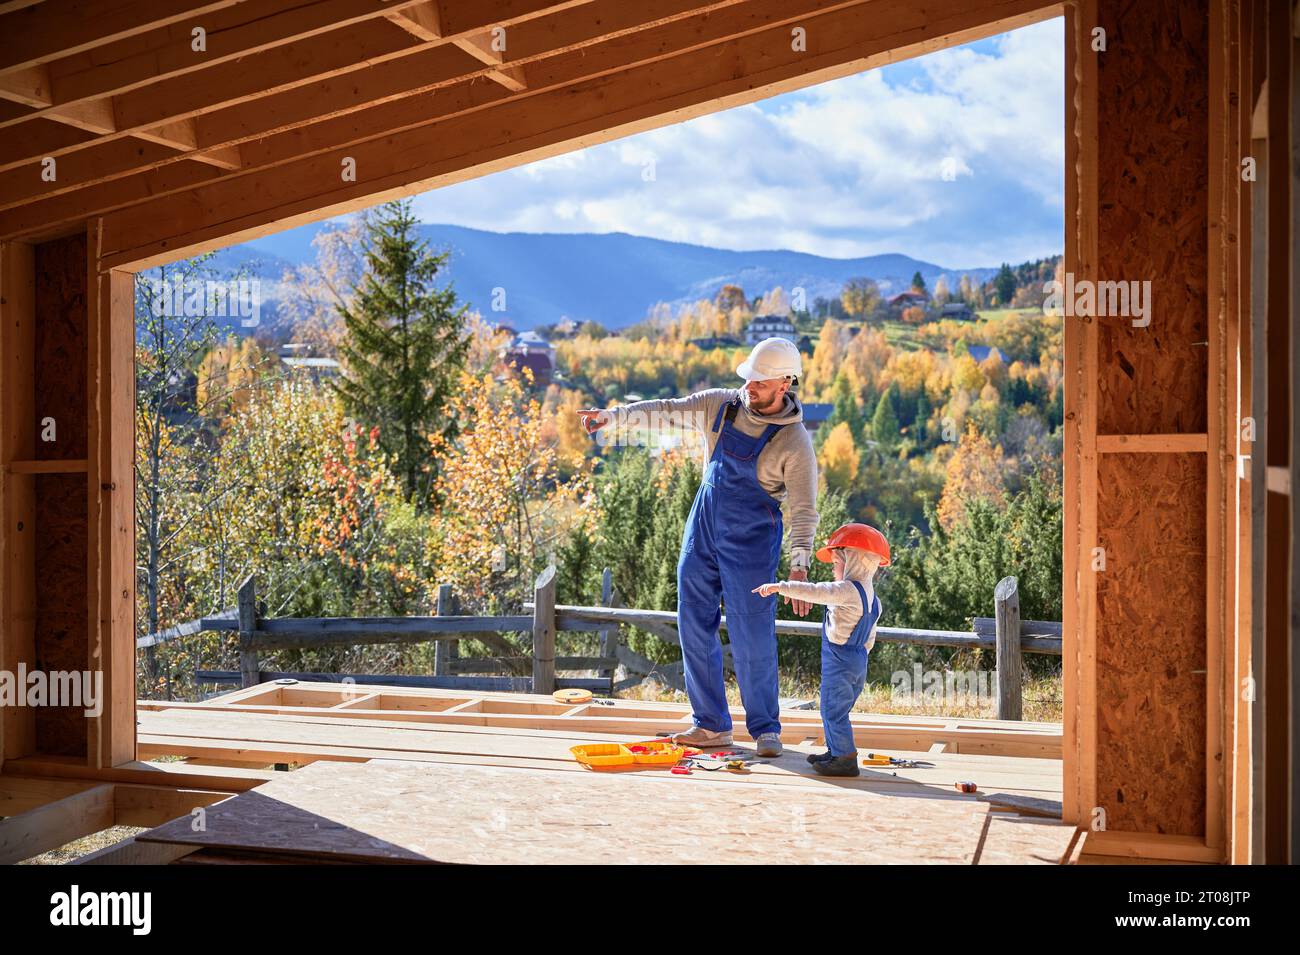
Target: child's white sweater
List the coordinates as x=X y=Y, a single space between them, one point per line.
x=842 y=599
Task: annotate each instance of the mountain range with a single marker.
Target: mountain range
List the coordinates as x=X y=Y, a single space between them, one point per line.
x=611 y=278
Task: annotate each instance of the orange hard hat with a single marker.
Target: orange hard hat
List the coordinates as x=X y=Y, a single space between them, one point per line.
x=863 y=536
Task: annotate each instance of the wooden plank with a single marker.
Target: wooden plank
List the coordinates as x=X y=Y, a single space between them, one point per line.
x=354 y=728
x=74 y=466
x=55 y=824
x=1243 y=370
x=132 y=852
x=544 y=631
x=499 y=815
x=1033 y=806
x=1221 y=428
x=1150 y=443
x=153 y=774
x=246 y=608
x=17 y=493
x=1140 y=845
x=328 y=694
x=110 y=493
x=47 y=32
x=137 y=805
x=19 y=794
x=1007 y=600
x=1079 y=665
x=442 y=651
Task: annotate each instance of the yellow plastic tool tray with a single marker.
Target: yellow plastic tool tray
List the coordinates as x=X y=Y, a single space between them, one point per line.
x=650 y=752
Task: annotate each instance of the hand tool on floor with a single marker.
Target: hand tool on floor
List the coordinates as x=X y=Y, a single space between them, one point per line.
x=880 y=759
x=574 y=697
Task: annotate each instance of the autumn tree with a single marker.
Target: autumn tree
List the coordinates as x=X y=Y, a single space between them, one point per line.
x=941 y=293
x=506 y=509
x=404 y=348
x=974 y=473
x=839 y=458
x=313 y=293
x=731 y=297
x=860 y=297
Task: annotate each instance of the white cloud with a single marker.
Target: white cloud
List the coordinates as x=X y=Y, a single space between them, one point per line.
x=847 y=168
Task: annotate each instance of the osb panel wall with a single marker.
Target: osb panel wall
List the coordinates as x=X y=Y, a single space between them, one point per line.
x=1152 y=100
x=61 y=631
x=1151 y=642
x=61 y=347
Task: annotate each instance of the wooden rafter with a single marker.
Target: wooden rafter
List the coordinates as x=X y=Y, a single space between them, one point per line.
x=655 y=66
x=329 y=95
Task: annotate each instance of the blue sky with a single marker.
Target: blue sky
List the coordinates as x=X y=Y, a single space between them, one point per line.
x=955 y=158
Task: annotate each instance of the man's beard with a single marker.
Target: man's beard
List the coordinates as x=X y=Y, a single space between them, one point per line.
x=774 y=405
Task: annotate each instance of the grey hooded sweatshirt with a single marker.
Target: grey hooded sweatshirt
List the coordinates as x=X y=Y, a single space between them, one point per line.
x=787 y=466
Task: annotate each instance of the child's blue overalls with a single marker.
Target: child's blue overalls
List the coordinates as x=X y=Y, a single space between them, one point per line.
x=731 y=545
x=844 y=672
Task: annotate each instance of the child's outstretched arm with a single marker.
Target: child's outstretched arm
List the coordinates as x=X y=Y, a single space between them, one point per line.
x=833 y=593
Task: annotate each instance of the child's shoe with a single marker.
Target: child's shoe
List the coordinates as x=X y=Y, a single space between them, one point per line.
x=838 y=766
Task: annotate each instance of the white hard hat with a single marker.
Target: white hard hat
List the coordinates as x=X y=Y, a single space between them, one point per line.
x=771 y=358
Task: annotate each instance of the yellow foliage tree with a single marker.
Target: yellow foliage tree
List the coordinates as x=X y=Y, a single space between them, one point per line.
x=505 y=503
x=974 y=473
x=839 y=458
x=819 y=371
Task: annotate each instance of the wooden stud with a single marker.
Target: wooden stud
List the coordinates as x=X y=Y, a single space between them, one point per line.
x=111 y=506
x=1080 y=445
x=17 y=490
x=55 y=824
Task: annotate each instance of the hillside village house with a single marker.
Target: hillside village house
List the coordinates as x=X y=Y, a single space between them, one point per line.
x=959 y=311
x=909 y=298
x=530 y=350
x=770 y=326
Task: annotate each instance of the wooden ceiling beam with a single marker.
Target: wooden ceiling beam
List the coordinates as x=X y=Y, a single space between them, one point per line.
x=47 y=31
x=526 y=128
x=250 y=27
x=181 y=135
x=422 y=20
x=482 y=47
x=437 y=66
x=402 y=109
x=271 y=62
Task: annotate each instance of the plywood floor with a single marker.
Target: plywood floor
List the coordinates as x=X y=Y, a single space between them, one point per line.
x=385 y=788
x=407 y=812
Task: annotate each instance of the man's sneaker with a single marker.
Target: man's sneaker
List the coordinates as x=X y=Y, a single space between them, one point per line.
x=701 y=738
x=838 y=766
x=820 y=757
x=769 y=745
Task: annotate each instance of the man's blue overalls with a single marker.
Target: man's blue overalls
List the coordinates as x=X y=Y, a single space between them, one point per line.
x=731 y=545
x=844 y=672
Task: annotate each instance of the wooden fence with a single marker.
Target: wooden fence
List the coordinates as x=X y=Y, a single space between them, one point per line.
x=1005 y=633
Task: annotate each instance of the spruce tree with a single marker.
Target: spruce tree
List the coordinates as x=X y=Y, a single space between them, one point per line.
x=884 y=423
x=404 y=347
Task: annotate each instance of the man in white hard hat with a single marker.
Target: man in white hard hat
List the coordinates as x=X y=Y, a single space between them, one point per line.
x=760 y=456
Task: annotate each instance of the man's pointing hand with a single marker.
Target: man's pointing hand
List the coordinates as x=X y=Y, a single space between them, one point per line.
x=593 y=419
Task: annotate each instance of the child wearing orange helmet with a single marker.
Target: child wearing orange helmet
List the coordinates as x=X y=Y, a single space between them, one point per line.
x=848 y=634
